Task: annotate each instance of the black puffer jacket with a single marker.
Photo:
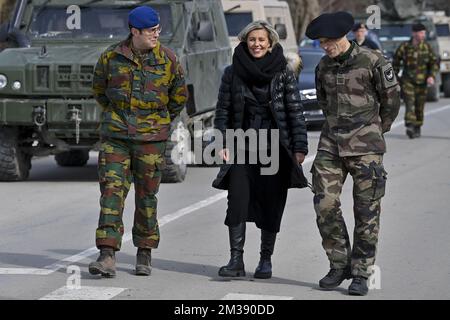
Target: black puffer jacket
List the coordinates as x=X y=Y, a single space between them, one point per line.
x=285 y=105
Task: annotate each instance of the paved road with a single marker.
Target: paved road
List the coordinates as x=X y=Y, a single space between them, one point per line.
x=48 y=223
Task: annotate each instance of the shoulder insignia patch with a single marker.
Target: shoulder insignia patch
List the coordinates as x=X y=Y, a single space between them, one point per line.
x=388 y=75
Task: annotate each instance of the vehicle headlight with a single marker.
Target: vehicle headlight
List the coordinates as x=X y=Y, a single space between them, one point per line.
x=308 y=94
x=3 y=81
x=17 y=85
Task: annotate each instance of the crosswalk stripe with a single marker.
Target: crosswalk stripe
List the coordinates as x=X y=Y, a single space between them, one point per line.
x=245 y=296
x=84 y=293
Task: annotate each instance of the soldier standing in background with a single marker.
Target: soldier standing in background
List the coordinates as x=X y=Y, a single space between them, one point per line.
x=419 y=64
x=359 y=94
x=141 y=89
x=360 y=32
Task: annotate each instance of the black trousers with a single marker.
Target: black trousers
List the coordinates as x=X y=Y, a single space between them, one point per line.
x=257 y=198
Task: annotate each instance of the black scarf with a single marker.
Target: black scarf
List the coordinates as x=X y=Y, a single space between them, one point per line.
x=258 y=71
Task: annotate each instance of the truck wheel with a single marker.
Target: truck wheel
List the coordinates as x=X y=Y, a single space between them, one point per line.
x=175 y=172
x=15 y=165
x=433 y=93
x=446 y=86
x=74 y=158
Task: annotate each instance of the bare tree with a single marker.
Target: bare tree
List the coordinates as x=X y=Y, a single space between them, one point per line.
x=302 y=12
x=6 y=7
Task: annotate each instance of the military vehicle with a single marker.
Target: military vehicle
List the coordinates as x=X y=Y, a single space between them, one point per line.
x=442 y=23
x=46 y=101
x=397 y=18
x=239 y=13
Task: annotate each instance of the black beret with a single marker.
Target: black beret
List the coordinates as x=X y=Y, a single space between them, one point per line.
x=418 y=27
x=330 y=25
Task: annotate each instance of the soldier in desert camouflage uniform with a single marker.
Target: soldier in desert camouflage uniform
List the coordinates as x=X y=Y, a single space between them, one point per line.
x=141 y=89
x=419 y=64
x=359 y=94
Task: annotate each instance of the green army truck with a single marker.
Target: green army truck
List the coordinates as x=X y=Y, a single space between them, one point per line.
x=46 y=101
x=442 y=23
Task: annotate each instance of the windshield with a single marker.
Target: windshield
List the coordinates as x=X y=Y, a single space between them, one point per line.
x=395 y=32
x=95 y=22
x=443 y=30
x=310 y=60
x=236 y=21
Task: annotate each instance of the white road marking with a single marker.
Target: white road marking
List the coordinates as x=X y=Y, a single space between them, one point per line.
x=243 y=296
x=402 y=122
x=84 y=293
x=25 y=271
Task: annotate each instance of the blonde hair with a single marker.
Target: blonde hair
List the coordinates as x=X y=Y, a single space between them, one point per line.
x=274 y=38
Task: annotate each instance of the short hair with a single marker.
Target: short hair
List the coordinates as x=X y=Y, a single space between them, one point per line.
x=358 y=26
x=274 y=38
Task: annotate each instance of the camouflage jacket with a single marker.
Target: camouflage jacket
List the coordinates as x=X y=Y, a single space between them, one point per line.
x=139 y=99
x=418 y=62
x=360 y=99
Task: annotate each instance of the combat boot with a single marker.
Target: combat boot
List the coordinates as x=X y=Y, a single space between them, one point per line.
x=235 y=267
x=264 y=268
x=410 y=131
x=416 y=132
x=105 y=264
x=334 y=278
x=358 y=287
x=143 y=262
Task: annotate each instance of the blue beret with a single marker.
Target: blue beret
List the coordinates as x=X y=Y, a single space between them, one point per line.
x=330 y=25
x=143 y=17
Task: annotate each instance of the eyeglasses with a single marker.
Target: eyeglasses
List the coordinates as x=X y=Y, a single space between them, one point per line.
x=152 y=31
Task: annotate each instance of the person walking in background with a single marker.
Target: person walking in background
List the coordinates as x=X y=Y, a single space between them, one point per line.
x=419 y=64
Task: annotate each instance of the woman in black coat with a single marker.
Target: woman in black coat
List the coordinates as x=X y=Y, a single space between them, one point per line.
x=258 y=91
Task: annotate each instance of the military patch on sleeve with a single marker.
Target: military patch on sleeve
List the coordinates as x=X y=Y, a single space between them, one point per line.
x=388 y=76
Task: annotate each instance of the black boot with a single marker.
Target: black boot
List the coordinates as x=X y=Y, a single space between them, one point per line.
x=235 y=267
x=410 y=132
x=334 y=278
x=416 y=132
x=358 y=287
x=264 y=268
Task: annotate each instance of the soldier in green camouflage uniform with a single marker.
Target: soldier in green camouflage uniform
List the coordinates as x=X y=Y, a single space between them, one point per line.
x=419 y=64
x=360 y=97
x=141 y=88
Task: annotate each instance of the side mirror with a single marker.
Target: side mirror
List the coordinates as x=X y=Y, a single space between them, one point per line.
x=281 y=30
x=20 y=38
x=205 y=31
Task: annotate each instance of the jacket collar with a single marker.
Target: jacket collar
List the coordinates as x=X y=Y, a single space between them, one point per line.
x=155 y=57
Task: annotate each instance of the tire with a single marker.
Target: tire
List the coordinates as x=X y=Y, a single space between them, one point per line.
x=173 y=172
x=433 y=93
x=446 y=86
x=14 y=164
x=74 y=158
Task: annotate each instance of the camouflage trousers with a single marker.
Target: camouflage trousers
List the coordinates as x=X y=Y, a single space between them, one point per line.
x=119 y=163
x=414 y=97
x=369 y=181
